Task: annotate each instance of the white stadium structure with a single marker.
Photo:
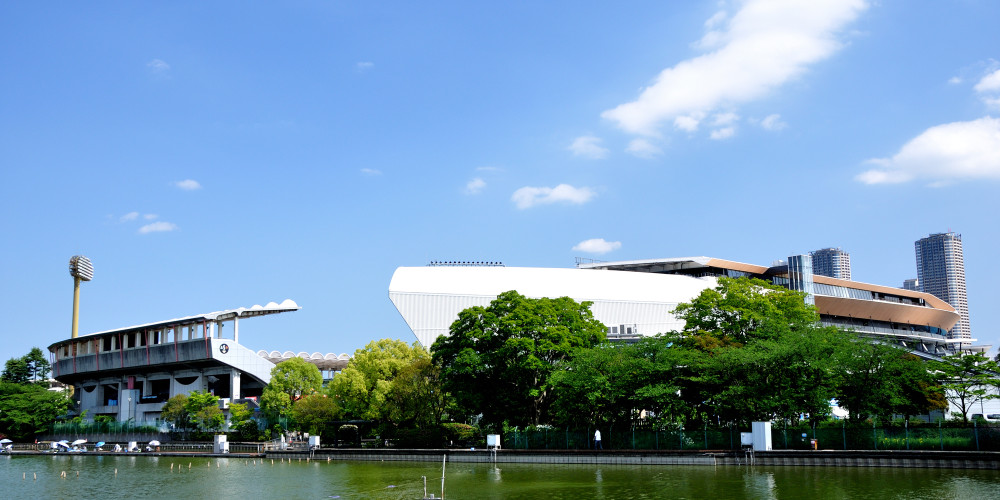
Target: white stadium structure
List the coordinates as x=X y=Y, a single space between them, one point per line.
x=637 y=298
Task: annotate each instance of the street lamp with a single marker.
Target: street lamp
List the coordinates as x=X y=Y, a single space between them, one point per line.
x=80 y=269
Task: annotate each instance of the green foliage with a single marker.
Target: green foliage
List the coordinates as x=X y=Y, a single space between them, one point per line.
x=203 y=411
x=38 y=364
x=312 y=413
x=966 y=379
x=416 y=397
x=290 y=380
x=16 y=371
x=33 y=366
x=362 y=389
x=497 y=359
x=29 y=409
x=741 y=310
x=242 y=423
x=612 y=382
x=175 y=411
x=460 y=434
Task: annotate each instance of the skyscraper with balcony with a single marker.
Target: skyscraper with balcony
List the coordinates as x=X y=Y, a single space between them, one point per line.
x=941 y=272
x=832 y=262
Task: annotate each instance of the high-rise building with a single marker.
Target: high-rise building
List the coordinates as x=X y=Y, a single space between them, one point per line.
x=941 y=272
x=911 y=284
x=832 y=262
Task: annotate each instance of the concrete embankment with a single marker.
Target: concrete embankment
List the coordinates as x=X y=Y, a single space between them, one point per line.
x=822 y=458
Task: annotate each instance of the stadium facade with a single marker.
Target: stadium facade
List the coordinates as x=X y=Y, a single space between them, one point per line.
x=637 y=298
x=129 y=373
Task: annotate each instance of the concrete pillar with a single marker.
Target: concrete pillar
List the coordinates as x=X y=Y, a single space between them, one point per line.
x=236 y=329
x=234 y=379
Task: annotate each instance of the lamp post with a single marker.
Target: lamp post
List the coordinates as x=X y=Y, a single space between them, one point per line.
x=80 y=269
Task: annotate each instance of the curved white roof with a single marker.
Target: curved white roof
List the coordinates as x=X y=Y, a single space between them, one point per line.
x=430 y=298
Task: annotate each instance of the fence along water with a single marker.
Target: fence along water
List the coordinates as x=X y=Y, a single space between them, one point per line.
x=937 y=436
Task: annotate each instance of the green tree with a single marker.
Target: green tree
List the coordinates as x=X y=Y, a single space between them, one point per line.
x=203 y=411
x=241 y=421
x=966 y=379
x=290 y=380
x=38 y=365
x=313 y=412
x=878 y=380
x=757 y=352
x=16 y=371
x=362 y=387
x=416 y=397
x=29 y=409
x=497 y=359
x=175 y=411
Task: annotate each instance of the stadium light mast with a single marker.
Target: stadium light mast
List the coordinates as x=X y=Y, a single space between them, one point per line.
x=80 y=269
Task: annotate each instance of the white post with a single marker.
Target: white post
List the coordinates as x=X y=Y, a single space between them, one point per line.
x=236 y=329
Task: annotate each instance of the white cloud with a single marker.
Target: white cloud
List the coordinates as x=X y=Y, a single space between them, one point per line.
x=131 y=216
x=371 y=171
x=942 y=154
x=364 y=66
x=158 y=227
x=761 y=47
x=992 y=102
x=723 y=119
x=597 y=245
x=158 y=66
x=989 y=83
x=188 y=184
x=643 y=148
x=723 y=133
x=689 y=123
x=955 y=80
x=772 y=122
x=150 y=216
x=528 y=196
x=588 y=146
x=475 y=186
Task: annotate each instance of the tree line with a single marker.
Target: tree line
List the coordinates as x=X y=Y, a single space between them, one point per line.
x=748 y=351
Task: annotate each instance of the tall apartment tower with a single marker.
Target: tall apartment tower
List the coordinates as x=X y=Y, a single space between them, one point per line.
x=832 y=262
x=911 y=284
x=941 y=272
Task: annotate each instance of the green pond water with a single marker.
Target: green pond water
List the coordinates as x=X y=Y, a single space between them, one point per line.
x=194 y=478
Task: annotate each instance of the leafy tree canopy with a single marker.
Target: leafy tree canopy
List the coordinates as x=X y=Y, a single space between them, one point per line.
x=497 y=359
x=312 y=413
x=966 y=379
x=290 y=380
x=29 y=409
x=362 y=387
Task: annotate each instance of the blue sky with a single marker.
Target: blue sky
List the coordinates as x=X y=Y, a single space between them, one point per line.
x=213 y=155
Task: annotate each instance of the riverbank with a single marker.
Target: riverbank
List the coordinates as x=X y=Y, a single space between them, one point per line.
x=822 y=458
x=795 y=458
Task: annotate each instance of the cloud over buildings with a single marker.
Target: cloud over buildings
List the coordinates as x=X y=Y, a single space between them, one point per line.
x=943 y=154
x=597 y=245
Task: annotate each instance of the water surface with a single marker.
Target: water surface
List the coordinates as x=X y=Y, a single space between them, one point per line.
x=95 y=476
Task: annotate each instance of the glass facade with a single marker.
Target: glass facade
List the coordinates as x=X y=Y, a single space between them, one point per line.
x=800 y=276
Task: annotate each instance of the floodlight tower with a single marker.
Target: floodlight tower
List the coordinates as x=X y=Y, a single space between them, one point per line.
x=80 y=269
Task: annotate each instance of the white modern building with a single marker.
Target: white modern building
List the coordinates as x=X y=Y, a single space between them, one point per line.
x=637 y=298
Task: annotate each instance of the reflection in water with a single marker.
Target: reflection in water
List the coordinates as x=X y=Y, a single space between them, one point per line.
x=146 y=477
x=759 y=484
